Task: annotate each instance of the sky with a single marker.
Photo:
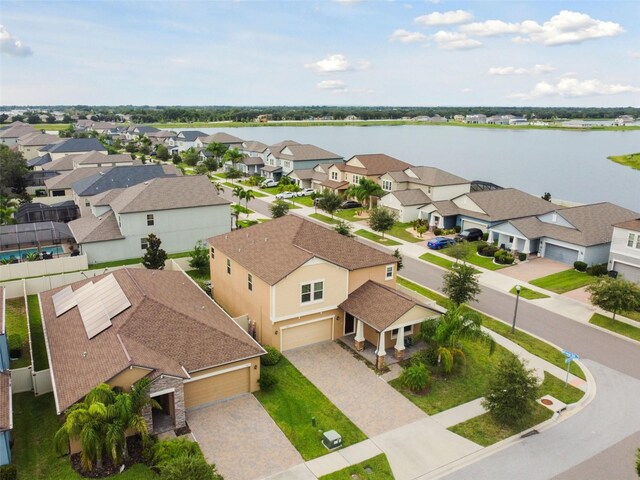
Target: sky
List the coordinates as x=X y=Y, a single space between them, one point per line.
x=333 y=52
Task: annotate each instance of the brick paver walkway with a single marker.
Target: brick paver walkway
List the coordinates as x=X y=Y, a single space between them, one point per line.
x=240 y=437
x=365 y=398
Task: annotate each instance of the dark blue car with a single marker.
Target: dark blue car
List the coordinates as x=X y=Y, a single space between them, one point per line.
x=440 y=242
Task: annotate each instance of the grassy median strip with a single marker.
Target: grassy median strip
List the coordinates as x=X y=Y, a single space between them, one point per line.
x=533 y=345
x=294 y=401
x=376 y=468
x=325 y=219
x=528 y=293
x=475 y=259
x=616 y=326
x=40 y=360
x=564 y=281
x=17 y=330
x=376 y=238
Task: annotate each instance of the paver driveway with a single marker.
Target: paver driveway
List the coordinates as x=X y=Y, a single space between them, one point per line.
x=362 y=396
x=240 y=437
x=534 y=268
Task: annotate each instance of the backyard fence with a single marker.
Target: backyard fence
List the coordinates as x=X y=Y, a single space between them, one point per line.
x=43 y=267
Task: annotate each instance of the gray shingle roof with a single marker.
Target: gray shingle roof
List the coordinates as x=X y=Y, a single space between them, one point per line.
x=39 y=161
x=191 y=135
x=304 y=153
x=117 y=177
x=413 y=196
x=75 y=145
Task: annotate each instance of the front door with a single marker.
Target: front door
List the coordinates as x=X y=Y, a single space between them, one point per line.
x=349 y=324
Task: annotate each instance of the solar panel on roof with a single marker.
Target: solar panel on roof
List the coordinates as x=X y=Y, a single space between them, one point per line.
x=113 y=298
x=92 y=311
x=64 y=300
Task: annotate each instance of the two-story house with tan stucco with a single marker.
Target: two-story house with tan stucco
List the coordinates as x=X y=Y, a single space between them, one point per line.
x=299 y=283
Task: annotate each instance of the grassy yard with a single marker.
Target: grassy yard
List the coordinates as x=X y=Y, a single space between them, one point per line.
x=350 y=215
x=271 y=190
x=305 y=201
x=565 y=281
x=437 y=260
x=635 y=315
x=531 y=344
x=553 y=386
x=616 y=326
x=475 y=259
x=399 y=230
x=528 y=293
x=241 y=208
x=325 y=219
x=376 y=238
x=40 y=360
x=485 y=430
x=292 y=403
x=198 y=277
x=461 y=387
x=133 y=261
x=16 y=324
x=35 y=423
x=632 y=160
x=376 y=468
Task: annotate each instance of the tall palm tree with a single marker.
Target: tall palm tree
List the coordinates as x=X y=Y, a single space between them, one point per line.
x=234 y=156
x=238 y=191
x=248 y=196
x=446 y=332
x=364 y=190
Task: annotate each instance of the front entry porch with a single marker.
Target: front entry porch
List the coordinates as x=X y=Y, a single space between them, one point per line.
x=368 y=351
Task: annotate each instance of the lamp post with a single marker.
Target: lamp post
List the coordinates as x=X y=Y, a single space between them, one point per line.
x=515 y=312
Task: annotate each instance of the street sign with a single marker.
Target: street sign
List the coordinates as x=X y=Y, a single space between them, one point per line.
x=570 y=358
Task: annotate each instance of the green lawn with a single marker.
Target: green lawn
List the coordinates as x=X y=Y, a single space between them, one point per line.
x=485 y=430
x=457 y=388
x=531 y=344
x=271 y=190
x=376 y=238
x=324 y=218
x=305 y=201
x=241 y=208
x=565 y=281
x=133 y=261
x=616 y=326
x=35 y=423
x=475 y=259
x=293 y=402
x=399 y=230
x=198 y=277
x=437 y=260
x=40 y=360
x=632 y=160
x=555 y=387
x=528 y=293
x=350 y=214
x=376 y=468
x=635 y=315
x=16 y=324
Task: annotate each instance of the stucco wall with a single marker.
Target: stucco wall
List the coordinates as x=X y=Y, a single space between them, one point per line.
x=128 y=377
x=377 y=274
x=447 y=192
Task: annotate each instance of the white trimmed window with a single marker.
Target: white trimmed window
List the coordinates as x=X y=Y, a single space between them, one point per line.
x=386 y=185
x=408 y=330
x=229 y=266
x=311 y=292
x=334 y=175
x=633 y=239
x=150 y=220
x=143 y=243
x=356 y=179
x=389 y=272
x=250 y=282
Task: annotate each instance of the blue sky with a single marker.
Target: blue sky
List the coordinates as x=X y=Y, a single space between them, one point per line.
x=556 y=53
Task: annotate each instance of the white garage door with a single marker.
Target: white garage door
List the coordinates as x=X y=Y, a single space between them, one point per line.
x=560 y=254
x=294 y=336
x=470 y=224
x=629 y=272
x=216 y=387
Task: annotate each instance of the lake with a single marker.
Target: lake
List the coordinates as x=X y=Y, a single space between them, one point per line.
x=571 y=165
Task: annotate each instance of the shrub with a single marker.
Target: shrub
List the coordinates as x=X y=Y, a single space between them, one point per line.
x=485 y=236
x=267 y=380
x=580 y=266
x=419 y=222
x=597 y=270
x=522 y=256
x=416 y=377
x=489 y=251
x=457 y=228
x=503 y=257
x=272 y=357
x=8 y=472
x=165 y=451
x=421 y=230
x=15 y=346
x=437 y=231
x=480 y=246
x=428 y=356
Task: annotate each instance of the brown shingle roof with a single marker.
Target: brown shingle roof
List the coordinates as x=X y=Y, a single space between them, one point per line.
x=274 y=249
x=16 y=131
x=221 y=137
x=254 y=146
x=379 y=306
x=427 y=176
x=630 y=225
x=413 y=196
x=510 y=203
x=379 y=163
x=252 y=161
x=6 y=414
x=37 y=139
x=61 y=164
x=304 y=152
x=90 y=229
x=97 y=157
x=171 y=324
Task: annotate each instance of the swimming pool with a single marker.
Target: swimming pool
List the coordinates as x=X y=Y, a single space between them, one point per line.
x=6 y=254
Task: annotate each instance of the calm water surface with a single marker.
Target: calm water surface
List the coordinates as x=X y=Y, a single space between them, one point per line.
x=572 y=165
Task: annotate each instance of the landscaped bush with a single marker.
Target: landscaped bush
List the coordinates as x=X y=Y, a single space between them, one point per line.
x=457 y=228
x=481 y=246
x=437 y=231
x=181 y=458
x=485 y=236
x=267 y=380
x=597 y=270
x=8 y=472
x=15 y=346
x=580 y=266
x=503 y=257
x=419 y=222
x=416 y=377
x=488 y=251
x=272 y=357
x=428 y=356
x=522 y=256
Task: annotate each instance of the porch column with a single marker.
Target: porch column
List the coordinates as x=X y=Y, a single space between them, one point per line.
x=380 y=353
x=527 y=246
x=400 y=344
x=359 y=338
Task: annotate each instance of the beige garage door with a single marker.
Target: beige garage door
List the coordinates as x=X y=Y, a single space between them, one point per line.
x=306 y=334
x=215 y=388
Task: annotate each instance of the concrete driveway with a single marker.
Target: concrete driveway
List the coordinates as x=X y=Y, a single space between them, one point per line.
x=534 y=268
x=240 y=437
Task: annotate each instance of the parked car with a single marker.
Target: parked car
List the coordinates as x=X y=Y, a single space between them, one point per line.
x=283 y=195
x=305 y=192
x=470 y=235
x=269 y=183
x=440 y=242
x=350 y=204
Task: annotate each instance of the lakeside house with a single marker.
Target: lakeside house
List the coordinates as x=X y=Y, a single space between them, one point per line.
x=624 y=255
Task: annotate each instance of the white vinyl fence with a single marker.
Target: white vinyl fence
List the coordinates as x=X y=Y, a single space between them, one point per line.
x=43 y=267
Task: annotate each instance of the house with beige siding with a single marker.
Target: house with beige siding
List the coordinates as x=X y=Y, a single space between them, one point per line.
x=29 y=145
x=291 y=278
x=624 y=254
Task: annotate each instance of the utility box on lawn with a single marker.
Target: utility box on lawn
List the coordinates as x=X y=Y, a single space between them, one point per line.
x=331 y=439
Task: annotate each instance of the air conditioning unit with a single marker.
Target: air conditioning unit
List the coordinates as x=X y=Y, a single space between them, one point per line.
x=331 y=439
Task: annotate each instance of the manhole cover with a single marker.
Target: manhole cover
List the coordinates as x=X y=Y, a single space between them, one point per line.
x=546 y=401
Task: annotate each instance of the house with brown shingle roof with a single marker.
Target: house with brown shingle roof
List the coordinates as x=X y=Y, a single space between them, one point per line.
x=566 y=235
x=119 y=327
x=291 y=278
x=288 y=156
x=29 y=145
x=624 y=255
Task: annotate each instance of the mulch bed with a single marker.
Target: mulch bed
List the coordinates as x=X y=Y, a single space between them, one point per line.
x=136 y=456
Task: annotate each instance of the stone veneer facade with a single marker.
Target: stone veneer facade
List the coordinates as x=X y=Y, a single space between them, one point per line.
x=165 y=383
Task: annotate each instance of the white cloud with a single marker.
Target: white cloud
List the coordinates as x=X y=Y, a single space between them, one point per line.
x=453 y=17
x=635 y=55
x=574 y=88
x=347 y=1
x=535 y=70
x=406 y=36
x=11 y=45
x=455 y=41
x=335 y=85
x=466 y=90
x=336 y=63
x=564 y=28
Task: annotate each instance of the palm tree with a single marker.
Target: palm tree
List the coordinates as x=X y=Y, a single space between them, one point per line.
x=446 y=332
x=234 y=156
x=218 y=186
x=364 y=190
x=238 y=191
x=8 y=206
x=248 y=196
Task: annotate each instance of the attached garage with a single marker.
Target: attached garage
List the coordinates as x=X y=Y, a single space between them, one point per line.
x=306 y=333
x=629 y=272
x=217 y=385
x=560 y=254
x=471 y=224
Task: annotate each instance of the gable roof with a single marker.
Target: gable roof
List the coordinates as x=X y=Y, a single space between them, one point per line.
x=379 y=306
x=428 y=176
x=16 y=131
x=172 y=328
x=274 y=249
x=304 y=152
x=89 y=229
x=221 y=137
x=254 y=146
x=630 y=224
x=379 y=163
x=75 y=145
x=509 y=203
x=39 y=161
x=191 y=135
x=97 y=157
x=67 y=178
x=413 y=196
x=117 y=177
x=36 y=139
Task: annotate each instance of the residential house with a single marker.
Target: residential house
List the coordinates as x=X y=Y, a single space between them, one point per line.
x=624 y=120
x=624 y=255
x=74 y=146
x=220 y=137
x=10 y=134
x=40 y=212
x=30 y=144
x=478 y=118
x=36 y=163
x=102 y=127
x=287 y=156
x=120 y=327
x=300 y=283
x=6 y=401
x=254 y=149
x=133 y=132
x=161 y=136
x=184 y=140
x=88 y=160
x=83 y=124
x=317 y=178
x=500 y=119
x=179 y=210
x=566 y=235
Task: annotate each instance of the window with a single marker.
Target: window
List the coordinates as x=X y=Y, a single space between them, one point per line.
x=229 y=266
x=213 y=253
x=389 y=273
x=86 y=203
x=311 y=292
x=408 y=330
x=143 y=243
x=356 y=179
x=150 y=220
x=429 y=190
x=386 y=185
x=630 y=240
x=334 y=175
x=250 y=282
